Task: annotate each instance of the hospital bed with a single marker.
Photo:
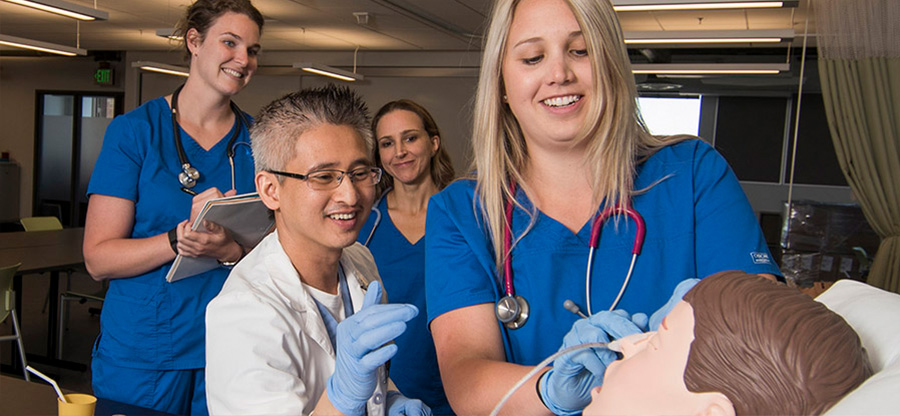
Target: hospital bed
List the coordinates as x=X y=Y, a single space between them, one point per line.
x=875 y=315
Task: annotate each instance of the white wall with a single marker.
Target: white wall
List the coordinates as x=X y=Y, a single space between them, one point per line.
x=20 y=78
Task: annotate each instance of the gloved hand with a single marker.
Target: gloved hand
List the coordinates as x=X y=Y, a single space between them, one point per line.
x=400 y=405
x=685 y=286
x=566 y=388
x=641 y=320
x=360 y=350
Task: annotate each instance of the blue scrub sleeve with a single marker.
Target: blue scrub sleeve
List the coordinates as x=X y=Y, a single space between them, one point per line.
x=118 y=166
x=726 y=227
x=456 y=269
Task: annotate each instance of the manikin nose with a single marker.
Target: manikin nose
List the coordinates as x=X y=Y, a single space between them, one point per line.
x=631 y=344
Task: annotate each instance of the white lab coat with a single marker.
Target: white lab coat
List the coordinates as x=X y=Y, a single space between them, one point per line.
x=267 y=349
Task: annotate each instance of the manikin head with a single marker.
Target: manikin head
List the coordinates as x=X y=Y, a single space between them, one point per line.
x=737 y=344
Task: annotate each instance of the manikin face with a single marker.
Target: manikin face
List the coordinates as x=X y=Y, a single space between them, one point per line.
x=649 y=379
x=547 y=73
x=404 y=147
x=322 y=221
x=226 y=57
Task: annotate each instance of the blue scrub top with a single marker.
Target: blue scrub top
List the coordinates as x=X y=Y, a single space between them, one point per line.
x=698 y=221
x=146 y=322
x=401 y=265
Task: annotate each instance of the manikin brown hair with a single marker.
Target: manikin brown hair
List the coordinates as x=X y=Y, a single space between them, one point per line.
x=769 y=348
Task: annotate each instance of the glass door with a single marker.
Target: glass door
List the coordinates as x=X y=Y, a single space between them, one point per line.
x=69 y=136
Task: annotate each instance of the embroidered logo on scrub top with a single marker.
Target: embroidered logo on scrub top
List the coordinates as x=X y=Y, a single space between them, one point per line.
x=760 y=258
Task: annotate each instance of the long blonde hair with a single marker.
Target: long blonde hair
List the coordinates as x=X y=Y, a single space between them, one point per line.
x=617 y=137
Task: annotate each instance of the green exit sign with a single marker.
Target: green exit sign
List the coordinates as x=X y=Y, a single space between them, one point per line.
x=103 y=76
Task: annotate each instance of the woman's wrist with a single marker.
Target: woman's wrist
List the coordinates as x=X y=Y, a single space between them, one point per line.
x=236 y=253
x=173 y=239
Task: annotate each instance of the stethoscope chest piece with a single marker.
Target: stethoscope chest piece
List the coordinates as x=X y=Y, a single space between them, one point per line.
x=512 y=311
x=188 y=176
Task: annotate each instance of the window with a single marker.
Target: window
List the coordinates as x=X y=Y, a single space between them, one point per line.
x=671 y=115
x=750 y=135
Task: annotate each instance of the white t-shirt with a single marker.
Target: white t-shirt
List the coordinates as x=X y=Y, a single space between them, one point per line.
x=267 y=349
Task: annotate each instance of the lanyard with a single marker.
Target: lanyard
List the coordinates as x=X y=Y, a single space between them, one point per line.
x=330 y=322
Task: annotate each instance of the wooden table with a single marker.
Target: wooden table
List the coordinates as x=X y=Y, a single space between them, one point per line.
x=19 y=397
x=39 y=252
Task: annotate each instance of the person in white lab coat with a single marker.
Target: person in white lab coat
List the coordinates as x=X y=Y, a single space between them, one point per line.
x=298 y=325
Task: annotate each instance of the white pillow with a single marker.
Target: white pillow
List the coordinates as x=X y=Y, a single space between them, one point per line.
x=875 y=315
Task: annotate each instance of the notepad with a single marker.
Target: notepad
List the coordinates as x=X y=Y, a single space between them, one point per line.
x=244 y=216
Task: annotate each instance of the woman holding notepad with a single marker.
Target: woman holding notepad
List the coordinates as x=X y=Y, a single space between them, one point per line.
x=159 y=165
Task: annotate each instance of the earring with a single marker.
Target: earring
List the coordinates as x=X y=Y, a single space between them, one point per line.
x=505 y=98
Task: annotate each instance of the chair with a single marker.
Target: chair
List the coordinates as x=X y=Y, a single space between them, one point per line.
x=45 y=224
x=61 y=326
x=41 y=223
x=48 y=224
x=8 y=301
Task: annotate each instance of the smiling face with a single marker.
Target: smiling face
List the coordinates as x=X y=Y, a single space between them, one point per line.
x=649 y=379
x=404 y=146
x=547 y=73
x=320 y=221
x=225 y=57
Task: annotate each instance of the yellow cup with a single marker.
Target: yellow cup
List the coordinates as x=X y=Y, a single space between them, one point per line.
x=78 y=405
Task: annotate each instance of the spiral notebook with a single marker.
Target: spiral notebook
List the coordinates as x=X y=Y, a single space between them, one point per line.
x=244 y=216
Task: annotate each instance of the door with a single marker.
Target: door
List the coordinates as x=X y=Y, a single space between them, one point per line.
x=70 y=129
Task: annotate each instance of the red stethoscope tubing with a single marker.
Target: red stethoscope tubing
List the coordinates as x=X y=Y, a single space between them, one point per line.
x=594 y=242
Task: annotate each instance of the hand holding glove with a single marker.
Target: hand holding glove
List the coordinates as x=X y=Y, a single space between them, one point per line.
x=566 y=388
x=361 y=349
x=400 y=405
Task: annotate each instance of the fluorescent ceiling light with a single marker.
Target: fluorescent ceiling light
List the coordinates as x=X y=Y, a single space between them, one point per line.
x=710 y=69
x=708 y=36
x=329 y=71
x=168 y=33
x=161 y=68
x=660 y=5
x=36 y=45
x=64 y=8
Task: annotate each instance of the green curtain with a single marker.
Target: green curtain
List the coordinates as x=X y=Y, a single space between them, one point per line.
x=862 y=103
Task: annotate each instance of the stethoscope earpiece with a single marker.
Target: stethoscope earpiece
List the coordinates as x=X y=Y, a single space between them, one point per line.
x=512 y=311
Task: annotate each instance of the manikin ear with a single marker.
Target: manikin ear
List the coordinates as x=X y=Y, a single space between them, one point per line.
x=268 y=188
x=715 y=404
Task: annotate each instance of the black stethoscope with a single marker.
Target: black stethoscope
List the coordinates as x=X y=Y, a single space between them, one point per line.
x=512 y=310
x=377 y=213
x=189 y=175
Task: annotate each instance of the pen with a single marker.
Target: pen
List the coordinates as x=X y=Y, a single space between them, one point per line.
x=188 y=191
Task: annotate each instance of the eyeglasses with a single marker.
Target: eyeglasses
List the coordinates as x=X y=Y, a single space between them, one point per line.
x=327 y=179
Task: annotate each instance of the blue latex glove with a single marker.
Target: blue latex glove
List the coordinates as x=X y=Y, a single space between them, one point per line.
x=400 y=405
x=641 y=321
x=566 y=388
x=360 y=350
x=685 y=286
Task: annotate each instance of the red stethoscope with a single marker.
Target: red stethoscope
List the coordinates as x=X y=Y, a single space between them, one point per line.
x=512 y=310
